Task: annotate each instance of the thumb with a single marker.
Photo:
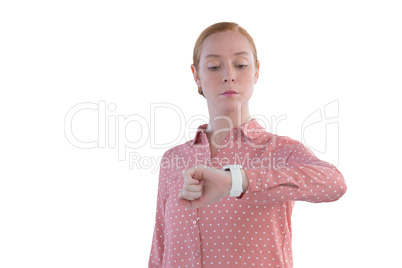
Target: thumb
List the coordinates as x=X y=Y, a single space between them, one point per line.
x=201 y=182
x=195 y=172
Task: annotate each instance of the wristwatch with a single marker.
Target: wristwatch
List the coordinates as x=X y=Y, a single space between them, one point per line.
x=237 y=181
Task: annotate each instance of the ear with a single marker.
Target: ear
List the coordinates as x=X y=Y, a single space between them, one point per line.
x=257 y=72
x=196 y=75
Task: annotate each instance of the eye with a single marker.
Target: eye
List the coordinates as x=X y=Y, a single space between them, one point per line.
x=241 y=66
x=213 y=68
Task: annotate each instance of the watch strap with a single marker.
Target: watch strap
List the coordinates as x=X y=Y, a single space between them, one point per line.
x=237 y=187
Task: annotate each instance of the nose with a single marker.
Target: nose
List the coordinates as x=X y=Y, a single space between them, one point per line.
x=229 y=76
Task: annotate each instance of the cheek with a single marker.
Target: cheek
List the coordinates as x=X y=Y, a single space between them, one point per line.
x=246 y=78
x=209 y=78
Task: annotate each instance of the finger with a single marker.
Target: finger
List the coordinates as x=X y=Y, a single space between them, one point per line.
x=188 y=178
x=191 y=204
x=192 y=181
x=194 y=187
x=195 y=172
x=190 y=195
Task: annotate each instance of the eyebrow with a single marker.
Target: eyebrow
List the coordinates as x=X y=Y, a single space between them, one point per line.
x=236 y=54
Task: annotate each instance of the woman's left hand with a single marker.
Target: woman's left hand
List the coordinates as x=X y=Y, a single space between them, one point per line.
x=203 y=186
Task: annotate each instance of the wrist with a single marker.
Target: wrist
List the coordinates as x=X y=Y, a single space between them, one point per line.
x=244 y=180
x=229 y=181
x=236 y=188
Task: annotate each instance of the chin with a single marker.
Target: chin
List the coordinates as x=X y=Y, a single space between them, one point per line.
x=230 y=107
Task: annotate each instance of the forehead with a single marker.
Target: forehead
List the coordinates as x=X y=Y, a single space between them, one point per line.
x=225 y=44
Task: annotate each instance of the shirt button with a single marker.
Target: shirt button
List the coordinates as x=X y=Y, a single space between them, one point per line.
x=197 y=253
x=194 y=222
x=259 y=183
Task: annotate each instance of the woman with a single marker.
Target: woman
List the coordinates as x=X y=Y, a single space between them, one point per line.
x=225 y=198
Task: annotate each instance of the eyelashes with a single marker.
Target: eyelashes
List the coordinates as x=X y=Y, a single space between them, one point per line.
x=242 y=66
x=215 y=68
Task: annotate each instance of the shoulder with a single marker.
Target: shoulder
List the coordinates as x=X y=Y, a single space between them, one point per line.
x=285 y=140
x=274 y=140
x=286 y=144
x=178 y=150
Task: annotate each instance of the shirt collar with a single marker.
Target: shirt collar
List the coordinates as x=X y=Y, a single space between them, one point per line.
x=251 y=129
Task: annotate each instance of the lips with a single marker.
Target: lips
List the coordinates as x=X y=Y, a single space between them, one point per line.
x=229 y=92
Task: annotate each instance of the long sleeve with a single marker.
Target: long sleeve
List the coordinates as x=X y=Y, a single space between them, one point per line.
x=290 y=171
x=158 y=241
x=255 y=230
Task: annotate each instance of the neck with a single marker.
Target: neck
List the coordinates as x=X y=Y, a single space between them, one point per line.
x=220 y=123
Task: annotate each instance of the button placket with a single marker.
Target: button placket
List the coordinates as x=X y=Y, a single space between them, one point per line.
x=196 y=230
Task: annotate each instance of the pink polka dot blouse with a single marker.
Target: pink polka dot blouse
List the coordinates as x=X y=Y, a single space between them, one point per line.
x=253 y=230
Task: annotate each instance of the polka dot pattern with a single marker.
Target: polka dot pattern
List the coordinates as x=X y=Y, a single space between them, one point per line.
x=253 y=230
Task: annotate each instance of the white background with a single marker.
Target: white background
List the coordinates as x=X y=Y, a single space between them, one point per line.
x=65 y=206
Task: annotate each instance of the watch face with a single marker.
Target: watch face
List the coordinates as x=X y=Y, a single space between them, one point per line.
x=228 y=167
